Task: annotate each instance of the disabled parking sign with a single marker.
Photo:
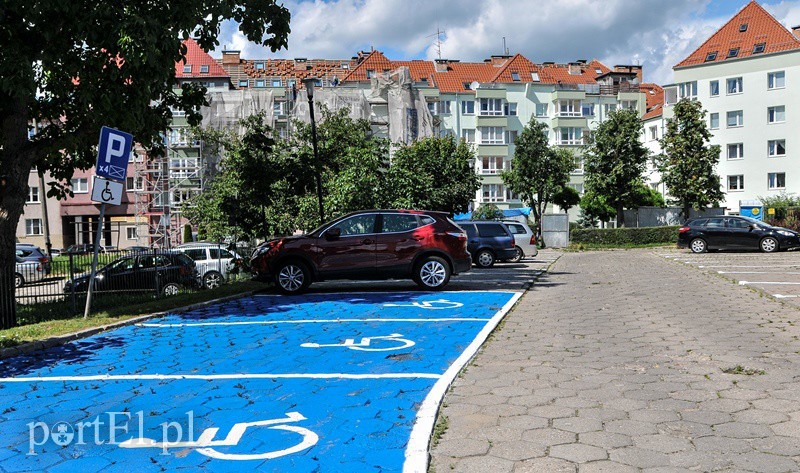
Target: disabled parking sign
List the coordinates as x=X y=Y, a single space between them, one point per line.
x=113 y=153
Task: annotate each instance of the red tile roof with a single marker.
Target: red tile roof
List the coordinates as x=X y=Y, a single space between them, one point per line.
x=459 y=73
x=298 y=70
x=196 y=57
x=374 y=61
x=655 y=100
x=761 y=27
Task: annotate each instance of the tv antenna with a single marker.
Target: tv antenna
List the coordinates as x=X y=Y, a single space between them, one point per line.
x=439 y=35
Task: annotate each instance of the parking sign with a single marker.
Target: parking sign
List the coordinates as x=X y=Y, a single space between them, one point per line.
x=113 y=153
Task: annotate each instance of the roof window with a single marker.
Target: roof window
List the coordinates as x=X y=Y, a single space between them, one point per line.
x=204 y=69
x=467 y=85
x=535 y=77
x=742 y=27
x=515 y=76
x=759 y=48
x=712 y=56
x=734 y=52
x=187 y=69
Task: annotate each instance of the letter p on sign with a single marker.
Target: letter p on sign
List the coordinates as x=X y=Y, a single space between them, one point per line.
x=112 y=154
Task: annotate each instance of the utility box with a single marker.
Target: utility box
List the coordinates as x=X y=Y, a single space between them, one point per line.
x=751 y=208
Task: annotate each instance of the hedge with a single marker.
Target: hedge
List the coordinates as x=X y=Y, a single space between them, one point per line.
x=625 y=236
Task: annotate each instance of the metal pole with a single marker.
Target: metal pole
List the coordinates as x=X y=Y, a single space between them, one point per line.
x=90 y=289
x=316 y=160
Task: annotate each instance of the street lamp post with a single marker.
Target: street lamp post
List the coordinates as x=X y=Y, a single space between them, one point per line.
x=310 y=83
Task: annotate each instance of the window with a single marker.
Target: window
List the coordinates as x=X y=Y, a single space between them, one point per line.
x=578 y=187
x=492 y=107
x=535 y=77
x=738 y=223
x=511 y=136
x=468 y=107
x=759 y=48
x=468 y=135
x=712 y=56
x=80 y=185
x=735 y=119
x=776 y=114
x=578 y=163
x=742 y=27
x=735 y=86
x=492 y=135
x=714 y=121
x=204 y=69
x=670 y=95
x=736 y=151
x=653 y=132
x=277 y=108
x=276 y=83
x=493 y=193
x=492 y=164
x=217 y=253
x=734 y=52
x=489 y=230
x=187 y=68
x=776 y=148
x=133 y=233
x=633 y=104
x=610 y=108
x=33 y=195
x=776 y=180
x=714 y=92
x=511 y=109
x=687 y=90
x=516 y=229
x=776 y=80
x=370 y=73
x=467 y=85
x=358 y=225
x=134 y=183
x=588 y=110
x=716 y=222
x=569 y=136
x=515 y=76
x=735 y=183
x=541 y=109
x=397 y=223
x=569 y=108
x=432 y=107
x=33 y=226
x=261 y=83
x=444 y=107
x=196 y=254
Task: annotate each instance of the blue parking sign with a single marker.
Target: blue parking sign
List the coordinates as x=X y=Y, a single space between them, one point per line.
x=113 y=153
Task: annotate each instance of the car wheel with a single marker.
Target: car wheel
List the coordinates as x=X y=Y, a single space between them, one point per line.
x=698 y=245
x=484 y=259
x=769 y=245
x=517 y=256
x=212 y=280
x=292 y=277
x=432 y=273
x=170 y=289
x=18 y=280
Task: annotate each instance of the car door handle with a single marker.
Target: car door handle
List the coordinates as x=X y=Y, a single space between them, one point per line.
x=367 y=241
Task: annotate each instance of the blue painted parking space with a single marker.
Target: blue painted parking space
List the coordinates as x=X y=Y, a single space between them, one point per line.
x=321 y=382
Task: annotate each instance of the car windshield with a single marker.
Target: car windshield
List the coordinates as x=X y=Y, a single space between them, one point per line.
x=755 y=222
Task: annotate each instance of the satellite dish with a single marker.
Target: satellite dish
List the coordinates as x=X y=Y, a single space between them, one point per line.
x=474 y=85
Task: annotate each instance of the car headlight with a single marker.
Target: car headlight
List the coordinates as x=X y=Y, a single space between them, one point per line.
x=787 y=233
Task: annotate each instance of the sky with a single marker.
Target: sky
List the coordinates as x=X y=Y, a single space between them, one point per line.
x=654 y=33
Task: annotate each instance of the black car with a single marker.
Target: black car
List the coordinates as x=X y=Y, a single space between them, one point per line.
x=488 y=242
x=165 y=272
x=735 y=233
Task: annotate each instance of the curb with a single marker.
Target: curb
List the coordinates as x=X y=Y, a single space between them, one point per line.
x=30 y=347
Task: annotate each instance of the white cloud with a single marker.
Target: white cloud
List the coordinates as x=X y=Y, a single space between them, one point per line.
x=654 y=33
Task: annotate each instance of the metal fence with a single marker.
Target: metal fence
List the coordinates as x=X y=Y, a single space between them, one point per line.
x=665 y=216
x=129 y=276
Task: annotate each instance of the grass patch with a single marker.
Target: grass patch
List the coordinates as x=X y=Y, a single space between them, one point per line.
x=739 y=369
x=41 y=321
x=439 y=429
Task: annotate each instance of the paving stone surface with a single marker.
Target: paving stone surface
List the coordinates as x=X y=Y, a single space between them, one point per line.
x=616 y=360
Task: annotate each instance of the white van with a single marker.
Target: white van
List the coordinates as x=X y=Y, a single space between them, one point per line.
x=214 y=262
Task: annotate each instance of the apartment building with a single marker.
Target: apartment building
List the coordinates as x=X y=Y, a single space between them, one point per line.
x=747 y=76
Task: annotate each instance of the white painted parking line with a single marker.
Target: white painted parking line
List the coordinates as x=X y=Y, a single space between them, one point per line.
x=208 y=377
x=313 y=321
x=772 y=283
x=755 y=272
x=784 y=296
x=752 y=266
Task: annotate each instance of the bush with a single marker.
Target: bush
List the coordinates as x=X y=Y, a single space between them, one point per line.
x=625 y=236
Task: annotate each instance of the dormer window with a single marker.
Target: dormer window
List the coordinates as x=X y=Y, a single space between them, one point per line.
x=598 y=71
x=535 y=77
x=759 y=48
x=187 y=69
x=515 y=76
x=259 y=66
x=243 y=83
x=734 y=52
x=370 y=73
x=712 y=56
x=345 y=65
x=204 y=69
x=742 y=27
x=467 y=85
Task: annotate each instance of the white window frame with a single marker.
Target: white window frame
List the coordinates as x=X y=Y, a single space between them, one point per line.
x=468 y=135
x=491 y=107
x=711 y=88
x=489 y=164
x=569 y=108
x=492 y=193
x=79 y=185
x=772 y=148
x=574 y=136
x=539 y=107
x=277 y=107
x=739 y=178
x=187 y=68
x=775 y=109
x=511 y=136
x=711 y=121
x=734 y=86
x=492 y=135
x=132 y=235
x=587 y=107
x=33 y=227
x=735 y=113
x=204 y=68
x=772 y=181
x=687 y=90
x=445 y=107
x=510 y=109
x=629 y=104
x=468 y=107
x=33 y=195
x=738 y=155
x=653 y=132
x=260 y=83
x=772 y=78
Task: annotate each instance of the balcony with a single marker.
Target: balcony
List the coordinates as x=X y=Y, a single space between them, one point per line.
x=598 y=89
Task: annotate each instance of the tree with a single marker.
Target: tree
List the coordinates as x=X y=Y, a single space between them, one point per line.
x=615 y=160
x=645 y=196
x=487 y=212
x=687 y=161
x=566 y=198
x=187 y=233
x=433 y=174
x=537 y=170
x=74 y=66
x=595 y=207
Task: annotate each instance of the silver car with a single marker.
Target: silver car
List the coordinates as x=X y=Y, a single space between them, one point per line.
x=524 y=239
x=214 y=262
x=27 y=272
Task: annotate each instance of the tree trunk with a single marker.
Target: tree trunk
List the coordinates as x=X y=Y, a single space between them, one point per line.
x=16 y=159
x=686 y=209
x=620 y=216
x=542 y=208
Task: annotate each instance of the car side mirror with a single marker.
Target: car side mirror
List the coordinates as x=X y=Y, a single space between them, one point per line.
x=751 y=227
x=333 y=233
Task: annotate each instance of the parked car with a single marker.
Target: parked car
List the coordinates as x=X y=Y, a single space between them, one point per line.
x=368 y=245
x=30 y=252
x=166 y=272
x=735 y=233
x=82 y=249
x=524 y=239
x=214 y=262
x=489 y=242
x=26 y=271
x=138 y=249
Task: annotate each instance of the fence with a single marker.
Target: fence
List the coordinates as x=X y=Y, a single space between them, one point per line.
x=664 y=216
x=128 y=276
x=555 y=230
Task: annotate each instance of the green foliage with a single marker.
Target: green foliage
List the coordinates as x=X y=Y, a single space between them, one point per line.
x=625 y=236
x=595 y=207
x=787 y=210
x=687 y=162
x=585 y=220
x=187 y=233
x=566 y=198
x=782 y=200
x=487 y=212
x=615 y=160
x=432 y=174
x=645 y=196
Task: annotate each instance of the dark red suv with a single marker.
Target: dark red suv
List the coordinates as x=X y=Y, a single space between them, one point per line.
x=367 y=245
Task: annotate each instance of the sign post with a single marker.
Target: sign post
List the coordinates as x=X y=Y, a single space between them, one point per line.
x=108 y=186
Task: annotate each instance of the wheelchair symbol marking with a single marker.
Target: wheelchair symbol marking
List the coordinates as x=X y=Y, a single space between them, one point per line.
x=106 y=194
x=206 y=440
x=432 y=305
x=366 y=343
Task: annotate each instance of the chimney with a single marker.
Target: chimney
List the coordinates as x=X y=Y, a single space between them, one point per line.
x=630 y=70
x=574 y=69
x=440 y=65
x=499 y=60
x=796 y=31
x=230 y=58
